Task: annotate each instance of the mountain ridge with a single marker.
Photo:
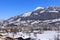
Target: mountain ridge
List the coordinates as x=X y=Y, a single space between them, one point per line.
x=49 y=16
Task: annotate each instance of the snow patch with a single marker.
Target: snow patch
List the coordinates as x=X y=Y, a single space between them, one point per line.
x=39 y=8
x=23 y=22
x=42 y=11
x=53 y=11
x=35 y=13
x=26 y=14
x=47 y=35
x=35 y=22
x=50 y=21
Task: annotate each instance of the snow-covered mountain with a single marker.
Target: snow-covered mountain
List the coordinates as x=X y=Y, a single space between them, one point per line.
x=39 y=17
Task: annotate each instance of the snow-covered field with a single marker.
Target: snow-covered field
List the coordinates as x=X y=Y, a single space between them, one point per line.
x=46 y=35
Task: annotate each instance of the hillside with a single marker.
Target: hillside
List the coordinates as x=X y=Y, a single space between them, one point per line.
x=48 y=17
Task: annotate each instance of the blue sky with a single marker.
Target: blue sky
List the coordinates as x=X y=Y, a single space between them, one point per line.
x=9 y=8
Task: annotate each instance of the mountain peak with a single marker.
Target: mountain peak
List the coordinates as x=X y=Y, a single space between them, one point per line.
x=39 y=8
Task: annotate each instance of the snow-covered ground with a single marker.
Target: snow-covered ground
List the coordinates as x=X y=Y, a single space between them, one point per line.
x=47 y=35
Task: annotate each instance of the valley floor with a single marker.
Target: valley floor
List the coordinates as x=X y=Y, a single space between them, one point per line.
x=46 y=35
